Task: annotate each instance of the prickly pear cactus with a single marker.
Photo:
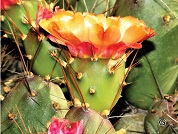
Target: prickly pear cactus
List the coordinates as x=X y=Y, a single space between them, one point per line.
x=30 y=106
x=162 y=118
x=81 y=45
x=93 y=83
x=95 y=62
x=19 y=17
x=38 y=48
x=157 y=71
x=92 y=121
x=98 y=7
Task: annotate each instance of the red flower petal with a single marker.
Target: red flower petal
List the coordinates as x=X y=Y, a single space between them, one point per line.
x=114 y=51
x=5 y=4
x=83 y=50
x=43 y=13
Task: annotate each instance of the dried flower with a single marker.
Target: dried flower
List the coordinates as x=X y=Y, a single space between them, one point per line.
x=89 y=35
x=63 y=126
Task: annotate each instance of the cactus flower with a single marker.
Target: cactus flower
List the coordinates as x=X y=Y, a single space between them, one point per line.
x=89 y=35
x=63 y=126
x=5 y=4
x=43 y=13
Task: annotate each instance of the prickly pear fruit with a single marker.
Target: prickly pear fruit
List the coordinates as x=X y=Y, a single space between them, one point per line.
x=92 y=121
x=30 y=105
x=157 y=73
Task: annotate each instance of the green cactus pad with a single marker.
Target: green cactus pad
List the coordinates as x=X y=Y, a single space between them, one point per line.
x=159 y=56
x=42 y=62
x=93 y=122
x=17 y=15
x=31 y=111
x=162 y=118
x=95 y=6
x=98 y=87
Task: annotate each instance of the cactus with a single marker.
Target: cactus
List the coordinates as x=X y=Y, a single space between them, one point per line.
x=30 y=106
x=158 y=68
x=19 y=17
x=92 y=121
x=88 y=54
x=96 y=55
x=95 y=82
x=42 y=49
x=162 y=118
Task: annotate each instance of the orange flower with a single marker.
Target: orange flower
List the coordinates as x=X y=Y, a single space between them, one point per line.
x=88 y=35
